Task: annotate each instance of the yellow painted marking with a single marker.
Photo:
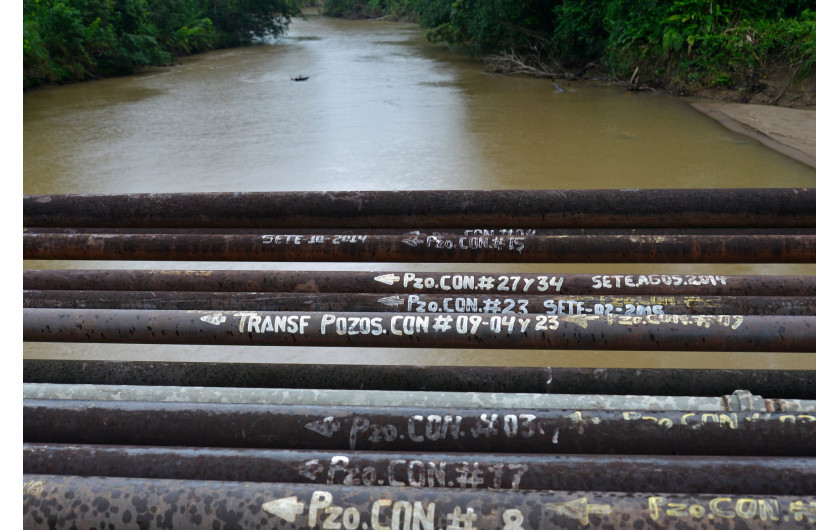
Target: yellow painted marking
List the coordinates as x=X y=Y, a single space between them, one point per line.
x=33 y=487
x=579 y=509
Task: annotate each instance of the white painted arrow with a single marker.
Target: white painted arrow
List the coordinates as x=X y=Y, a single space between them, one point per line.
x=389 y=279
x=414 y=241
x=580 y=320
x=215 y=319
x=392 y=301
x=287 y=508
x=325 y=427
x=579 y=509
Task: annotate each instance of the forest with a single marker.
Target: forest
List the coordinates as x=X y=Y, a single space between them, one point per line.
x=74 y=40
x=676 y=45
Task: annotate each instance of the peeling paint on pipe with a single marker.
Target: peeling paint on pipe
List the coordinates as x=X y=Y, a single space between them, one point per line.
x=740 y=401
x=60 y=502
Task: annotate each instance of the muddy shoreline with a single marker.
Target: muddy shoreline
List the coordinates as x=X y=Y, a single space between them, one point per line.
x=791 y=132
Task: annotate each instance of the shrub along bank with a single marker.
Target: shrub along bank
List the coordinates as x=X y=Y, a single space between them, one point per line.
x=682 y=46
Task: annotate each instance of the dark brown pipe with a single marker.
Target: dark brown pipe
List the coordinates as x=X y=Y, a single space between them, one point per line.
x=418 y=282
x=419 y=429
x=423 y=303
x=630 y=473
x=793 y=384
x=264 y=328
x=639 y=208
x=436 y=249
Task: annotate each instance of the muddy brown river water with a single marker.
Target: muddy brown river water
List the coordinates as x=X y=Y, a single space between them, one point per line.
x=381 y=110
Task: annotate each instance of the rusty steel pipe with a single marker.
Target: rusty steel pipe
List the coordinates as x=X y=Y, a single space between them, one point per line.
x=437 y=249
x=406 y=330
x=412 y=330
x=569 y=304
x=640 y=208
x=629 y=473
x=419 y=282
x=59 y=502
x=793 y=384
x=419 y=429
x=448 y=232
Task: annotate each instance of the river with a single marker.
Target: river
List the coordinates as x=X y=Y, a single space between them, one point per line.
x=381 y=109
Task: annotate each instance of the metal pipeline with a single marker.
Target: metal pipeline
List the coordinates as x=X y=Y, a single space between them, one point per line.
x=449 y=232
x=559 y=332
x=639 y=208
x=792 y=384
x=741 y=400
x=419 y=429
x=629 y=473
x=59 y=502
x=436 y=249
x=419 y=282
x=568 y=304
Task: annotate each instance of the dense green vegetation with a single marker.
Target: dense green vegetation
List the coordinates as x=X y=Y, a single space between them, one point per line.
x=73 y=40
x=676 y=44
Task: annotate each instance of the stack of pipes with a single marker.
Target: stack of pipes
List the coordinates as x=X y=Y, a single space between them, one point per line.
x=202 y=445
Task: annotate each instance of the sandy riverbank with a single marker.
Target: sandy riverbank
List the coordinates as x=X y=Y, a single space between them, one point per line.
x=792 y=132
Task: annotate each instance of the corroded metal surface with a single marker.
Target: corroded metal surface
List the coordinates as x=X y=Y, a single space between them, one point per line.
x=420 y=429
x=629 y=473
x=569 y=304
x=616 y=332
x=739 y=401
x=62 y=502
x=760 y=207
x=793 y=384
x=725 y=464
x=419 y=282
x=461 y=249
x=449 y=232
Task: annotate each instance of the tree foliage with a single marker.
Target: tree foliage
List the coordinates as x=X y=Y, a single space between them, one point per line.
x=73 y=40
x=673 y=42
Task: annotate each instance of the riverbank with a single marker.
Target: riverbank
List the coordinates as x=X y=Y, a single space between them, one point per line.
x=792 y=132
x=782 y=115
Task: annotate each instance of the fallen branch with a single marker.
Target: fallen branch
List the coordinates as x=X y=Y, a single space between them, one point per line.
x=633 y=84
x=510 y=63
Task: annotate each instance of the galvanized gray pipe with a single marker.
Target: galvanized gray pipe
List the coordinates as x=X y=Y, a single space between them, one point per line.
x=740 y=401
